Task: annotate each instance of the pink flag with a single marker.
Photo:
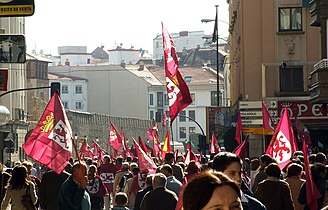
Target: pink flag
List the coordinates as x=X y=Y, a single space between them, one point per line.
x=312 y=192
x=267 y=121
x=114 y=139
x=284 y=145
x=50 y=143
x=302 y=132
x=125 y=145
x=176 y=153
x=85 y=149
x=143 y=146
x=241 y=149
x=239 y=129
x=190 y=155
x=215 y=148
x=145 y=162
x=177 y=89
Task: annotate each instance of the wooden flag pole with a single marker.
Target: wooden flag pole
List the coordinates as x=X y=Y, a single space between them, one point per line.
x=76 y=153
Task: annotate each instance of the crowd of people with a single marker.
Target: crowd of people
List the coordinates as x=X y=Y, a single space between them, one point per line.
x=225 y=181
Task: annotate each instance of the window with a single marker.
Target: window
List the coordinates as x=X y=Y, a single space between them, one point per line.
x=78 y=105
x=290 y=19
x=159 y=115
x=64 y=89
x=183 y=132
x=192 y=130
x=78 y=89
x=151 y=114
x=181 y=117
x=193 y=98
x=65 y=104
x=151 y=99
x=291 y=79
x=160 y=99
x=214 y=99
x=166 y=100
x=192 y=114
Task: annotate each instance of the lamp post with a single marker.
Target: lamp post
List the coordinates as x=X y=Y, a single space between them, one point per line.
x=217 y=60
x=75 y=139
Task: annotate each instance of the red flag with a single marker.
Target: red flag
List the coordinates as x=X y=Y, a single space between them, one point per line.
x=164 y=119
x=283 y=145
x=167 y=145
x=145 y=162
x=239 y=129
x=190 y=156
x=143 y=146
x=125 y=145
x=133 y=151
x=215 y=148
x=50 y=143
x=176 y=153
x=267 y=121
x=177 y=89
x=85 y=149
x=114 y=139
x=312 y=192
x=302 y=132
x=241 y=149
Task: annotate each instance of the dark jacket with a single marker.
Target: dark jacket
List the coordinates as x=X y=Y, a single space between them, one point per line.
x=71 y=196
x=49 y=189
x=139 y=196
x=159 y=199
x=252 y=203
x=275 y=194
x=320 y=183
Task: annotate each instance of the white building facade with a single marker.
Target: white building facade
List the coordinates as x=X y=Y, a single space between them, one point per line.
x=73 y=93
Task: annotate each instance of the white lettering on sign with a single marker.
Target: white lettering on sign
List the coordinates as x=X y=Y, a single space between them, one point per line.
x=316 y=109
x=301 y=109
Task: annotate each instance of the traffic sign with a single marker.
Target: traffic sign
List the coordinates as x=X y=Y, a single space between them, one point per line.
x=255 y=131
x=12 y=48
x=16 y=8
x=257 y=104
x=251 y=121
x=257 y=113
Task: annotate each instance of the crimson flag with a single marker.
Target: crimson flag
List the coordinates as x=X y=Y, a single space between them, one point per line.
x=215 y=148
x=312 y=192
x=267 y=121
x=241 y=149
x=239 y=129
x=177 y=89
x=114 y=139
x=125 y=145
x=143 y=146
x=145 y=162
x=302 y=132
x=190 y=156
x=283 y=145
x=50 y=143
x=85 y=149
x=164 y=119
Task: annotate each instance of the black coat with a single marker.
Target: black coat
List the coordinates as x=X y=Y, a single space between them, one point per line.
x=139 y=196
x=159 y=199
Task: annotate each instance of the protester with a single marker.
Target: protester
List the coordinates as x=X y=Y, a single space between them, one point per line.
x=120 y=201
x=255 y=165
x=172 y=183
x=4 y=181
x=51 y=183
x=141 y=193
x=294 y=174
x=95 y=188
x=132 y=186
x=211 y=190
x=191 y=170
x=160 y=198
x=318 y=171
x=231 y=165
x=177 y=170
x=107 y=172
x=73 y=194
x=19 y=185
x=274 y=193
x=119 y=175
x=265 y=160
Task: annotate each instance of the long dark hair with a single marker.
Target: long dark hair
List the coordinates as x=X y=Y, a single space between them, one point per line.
x=18 y=178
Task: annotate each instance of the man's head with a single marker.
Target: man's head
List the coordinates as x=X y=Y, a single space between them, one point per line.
x=106 y=159
x=265 y=160
x=273 y=170
x=125 y=166
x=169 y=157
x=159 y=180
x=121 y=199
x=166 y=169
x=79 y=174
x=149 y=180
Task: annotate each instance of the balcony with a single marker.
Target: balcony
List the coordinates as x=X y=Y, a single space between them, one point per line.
x=318 y=87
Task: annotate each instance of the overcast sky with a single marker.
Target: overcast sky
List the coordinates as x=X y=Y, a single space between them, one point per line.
x=108 y=22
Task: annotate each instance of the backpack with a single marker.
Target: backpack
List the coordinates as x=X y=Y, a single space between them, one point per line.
x=122 y=182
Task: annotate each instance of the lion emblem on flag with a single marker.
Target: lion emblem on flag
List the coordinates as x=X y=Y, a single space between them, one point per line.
x=282 y=150
x=61 y=136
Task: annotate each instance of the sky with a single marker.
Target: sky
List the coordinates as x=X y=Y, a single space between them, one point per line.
x=110 y=22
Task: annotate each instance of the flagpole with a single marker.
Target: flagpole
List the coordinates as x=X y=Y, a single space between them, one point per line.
x=263 y=138
x=172 y=138
x=217 y=57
